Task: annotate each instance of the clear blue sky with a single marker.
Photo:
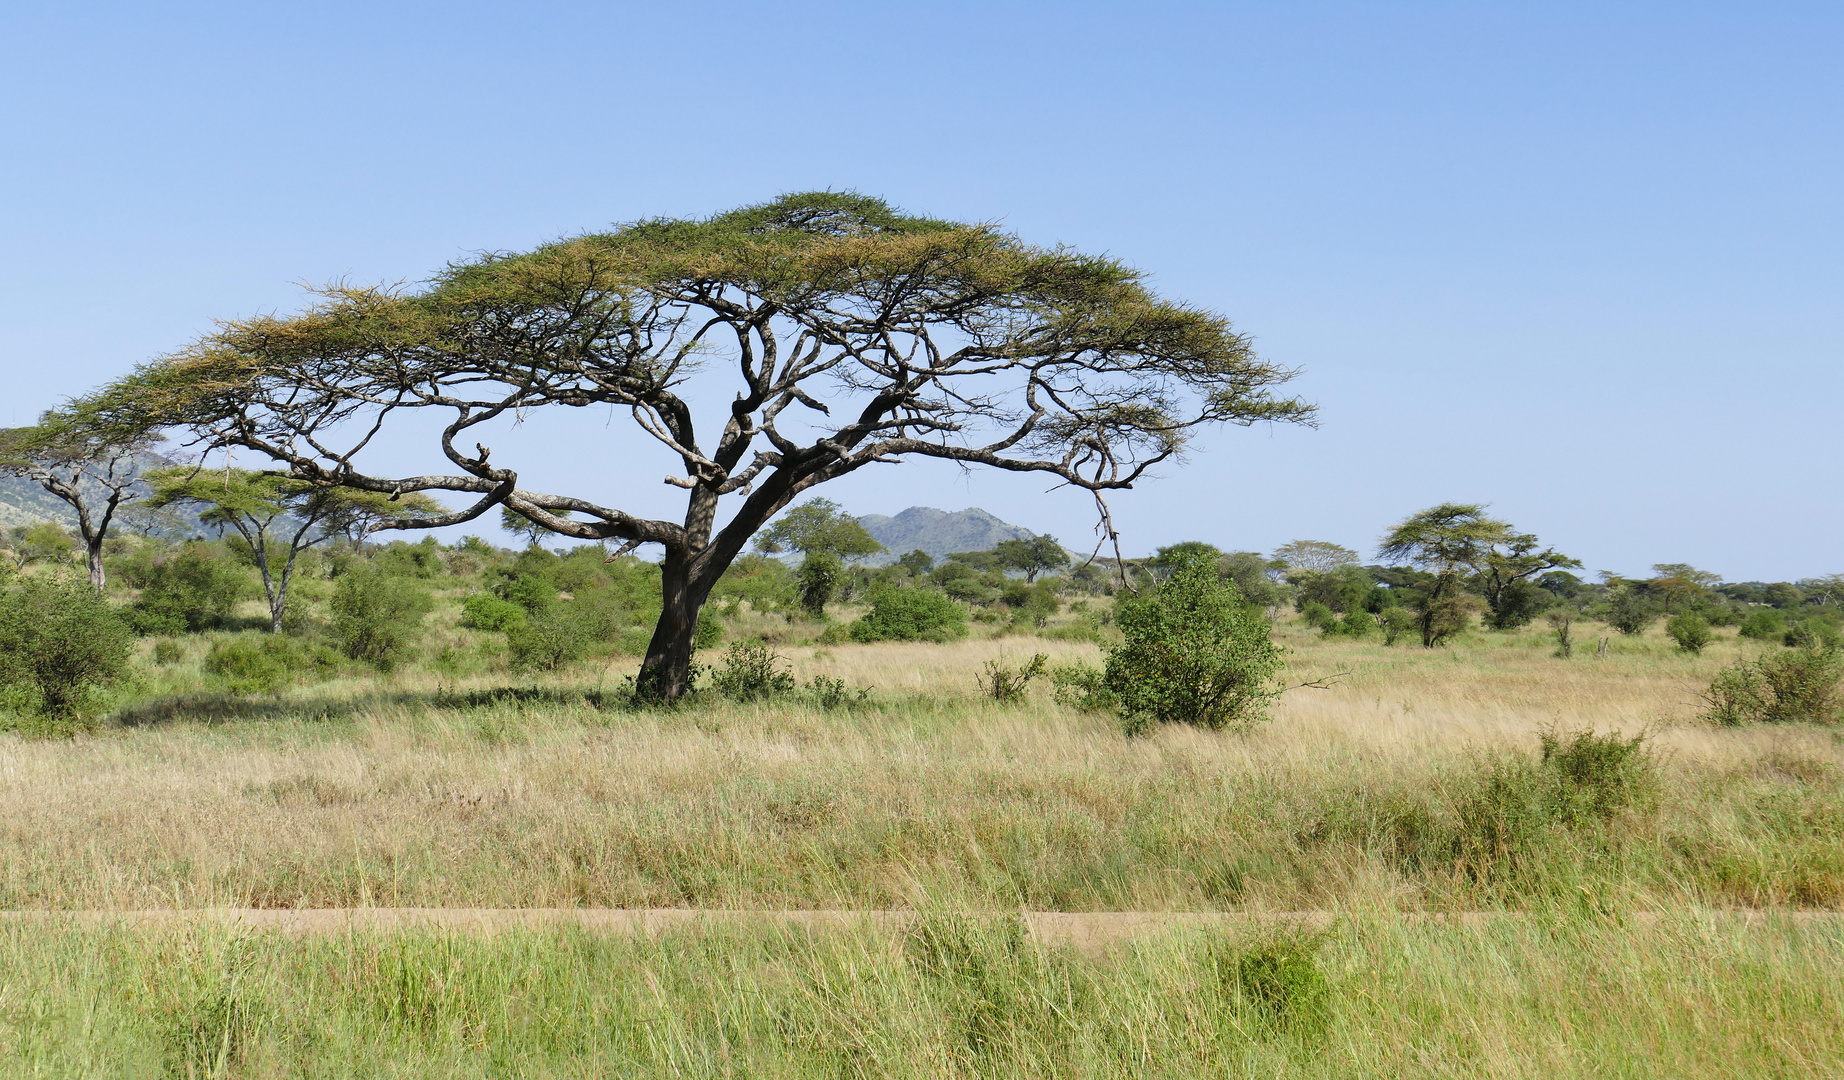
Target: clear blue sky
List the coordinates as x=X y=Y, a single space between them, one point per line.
x=1580 y=261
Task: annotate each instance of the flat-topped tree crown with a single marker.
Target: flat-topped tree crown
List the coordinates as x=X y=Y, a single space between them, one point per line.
x=855 y=334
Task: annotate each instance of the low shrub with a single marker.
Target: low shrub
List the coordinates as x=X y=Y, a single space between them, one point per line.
x=484 y=611
x=1007 y=685
x=751 y=671
x=1395 y=622
x=1690 y=630
x=1280 y=980
x=191 y=590
x=168 y=652
x=1763 y=625
x=61 y=647
x=1503 y=815
x=265 y=663
x=906 y=613
x=547 y=641
x=1805 y=683
x=377 y=616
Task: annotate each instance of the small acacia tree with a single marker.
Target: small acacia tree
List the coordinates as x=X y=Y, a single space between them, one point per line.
x=824 y=535
x=1454 y=539
x=855 y=335
x=96 y=474
x=278 y=517
x=1035 y=556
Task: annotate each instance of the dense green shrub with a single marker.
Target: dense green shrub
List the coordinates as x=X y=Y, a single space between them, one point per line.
x=1396 y=622
x=61 y=646
x=193 y=589
x=377 y=616
x=1519 y=603
x=264 y=663
x=1690 y=630
x=484 y=611
x=1630 y=612
x=1764 y=624
x=1805 y=683
x=532 y=593
x=905 y=613
x=751 y=671
x=549 y=640
x=1193 y=652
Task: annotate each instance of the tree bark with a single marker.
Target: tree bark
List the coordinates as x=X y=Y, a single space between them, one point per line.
x=665 y=674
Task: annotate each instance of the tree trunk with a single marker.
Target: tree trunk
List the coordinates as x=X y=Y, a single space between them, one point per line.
x=665 y=675
x=93 y=547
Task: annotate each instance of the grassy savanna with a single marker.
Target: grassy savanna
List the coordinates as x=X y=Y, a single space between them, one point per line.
x=1390 y=787
x=1413 y=784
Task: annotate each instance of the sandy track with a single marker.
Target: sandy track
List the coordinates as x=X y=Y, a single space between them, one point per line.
x=1086 y=931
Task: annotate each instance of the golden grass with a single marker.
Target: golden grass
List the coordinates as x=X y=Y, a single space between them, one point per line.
x=382 y=792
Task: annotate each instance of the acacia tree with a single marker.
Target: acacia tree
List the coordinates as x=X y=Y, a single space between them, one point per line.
x=856 y=335
x=277 y=516
x=823 y=534
x=1318 y=556
x=1034 y=556
x=1452 y=539
x=95 y=474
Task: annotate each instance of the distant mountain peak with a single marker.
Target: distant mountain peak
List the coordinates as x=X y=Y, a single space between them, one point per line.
x=938 y=532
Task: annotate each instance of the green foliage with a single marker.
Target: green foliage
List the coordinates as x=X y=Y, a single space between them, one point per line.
x=906 y=613
x=1690 y=630
x=1033 y=556
x=484 y=611
x=818 y=527
x=709 y=632
x=1280 y=980
x=61 y=647
x=1007 y=685
x=1194 y=652
x=549 y=640
x=751 y=672
x=917 y=562
x=1802 y=684
x=766 y=585
x=1506 y=816
x=265 y=663
x=818 y=578
x=188 y=591
x=168 y=652
x=377 y=616
x=1765 y=624
x=529 y=591
x=1080 y=686
x=1518 y=603
x=1396 y=622
x=1630 y=612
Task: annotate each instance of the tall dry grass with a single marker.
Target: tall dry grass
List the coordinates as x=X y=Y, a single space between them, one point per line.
x=403 y=791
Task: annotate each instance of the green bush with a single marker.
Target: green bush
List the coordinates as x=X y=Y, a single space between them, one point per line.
x=377 y=616
x=1507 y=814
x=188 y=591
x=534 y=594
x=264 y=663
x=484 y=611
x=1630 y=613
x=168 y=652
x=1319 y=617
x=1397 y=621
x=1802 y=684
x=549 y=640
x=709 y=632
x=61 y=646
x=905 y=613
x=1280 y=980
x=1193 y=652
x=1690 y=630
x=1766 y=624
x=751 y=672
